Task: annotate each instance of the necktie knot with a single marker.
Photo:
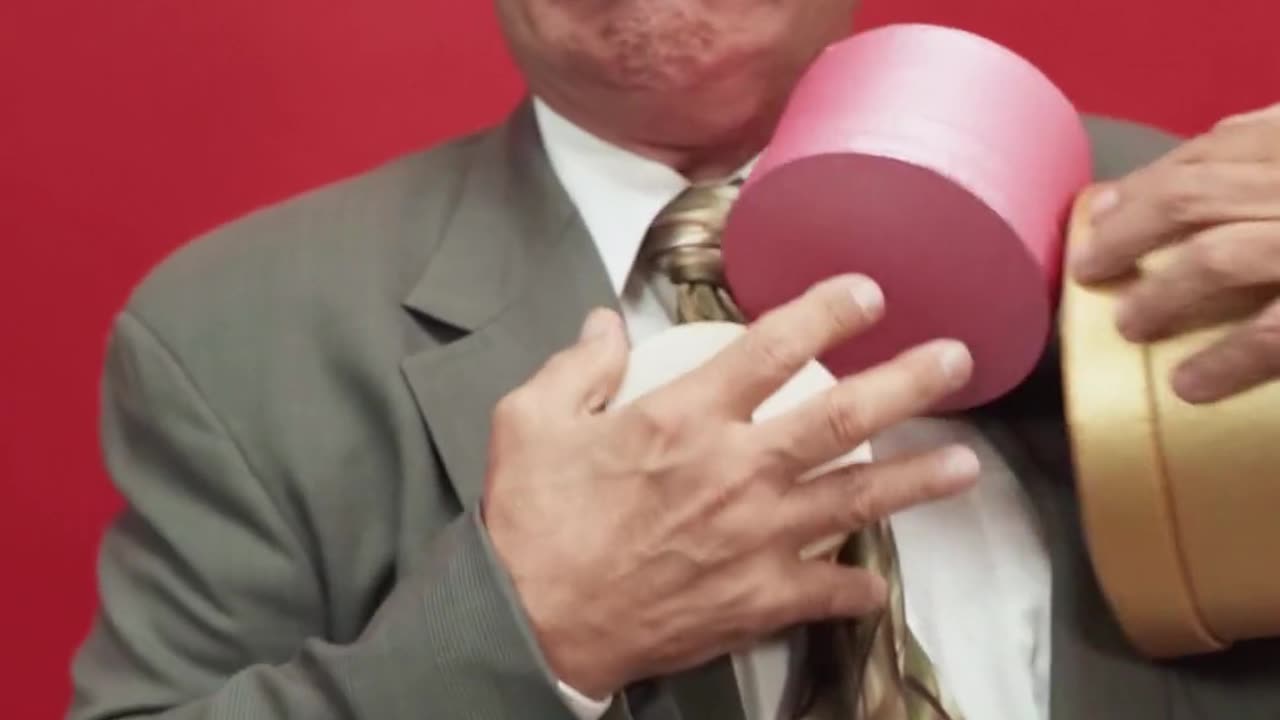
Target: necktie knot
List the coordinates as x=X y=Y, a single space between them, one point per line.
x=684 y=241
x=684 y=245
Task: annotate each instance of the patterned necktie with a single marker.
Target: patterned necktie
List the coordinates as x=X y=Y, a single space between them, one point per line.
x=884 y=674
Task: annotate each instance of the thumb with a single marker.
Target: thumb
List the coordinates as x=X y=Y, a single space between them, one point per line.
x=1267 y=113
x=585 y=375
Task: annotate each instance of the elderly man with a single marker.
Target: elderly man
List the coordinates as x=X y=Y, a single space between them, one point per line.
x=369 y=475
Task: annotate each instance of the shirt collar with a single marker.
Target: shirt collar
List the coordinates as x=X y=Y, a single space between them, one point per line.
x=617 y=192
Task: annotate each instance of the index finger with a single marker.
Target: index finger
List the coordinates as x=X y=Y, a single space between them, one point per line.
x=1265 y=114
x=778 y=345
x=1242 y=139
x=1158 y=207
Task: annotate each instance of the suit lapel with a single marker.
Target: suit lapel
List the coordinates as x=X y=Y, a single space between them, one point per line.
x=1094 y=675
x=513 y=277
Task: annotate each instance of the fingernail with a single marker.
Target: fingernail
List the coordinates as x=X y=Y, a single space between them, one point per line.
x=1103 y=201
x=955 y=361
x=867 y=295
x=597 y=325
x=960 y=463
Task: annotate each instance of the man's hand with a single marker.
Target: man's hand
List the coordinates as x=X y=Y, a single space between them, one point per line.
x=650 y=538
x=1213 y=206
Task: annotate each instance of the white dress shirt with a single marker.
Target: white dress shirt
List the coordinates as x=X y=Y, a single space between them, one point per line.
x=975 y=569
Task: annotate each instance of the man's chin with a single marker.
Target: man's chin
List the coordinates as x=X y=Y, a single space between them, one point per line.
x=693 y=126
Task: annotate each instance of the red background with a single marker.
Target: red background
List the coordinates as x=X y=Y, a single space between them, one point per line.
x=128 y=126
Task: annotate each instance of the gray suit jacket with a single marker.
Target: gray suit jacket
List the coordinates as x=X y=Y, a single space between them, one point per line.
x=297 y=409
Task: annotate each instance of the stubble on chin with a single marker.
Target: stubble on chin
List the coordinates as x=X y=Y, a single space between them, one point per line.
x=667 y=49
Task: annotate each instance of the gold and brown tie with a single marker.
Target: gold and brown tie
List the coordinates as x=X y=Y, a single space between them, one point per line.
x=884 y=673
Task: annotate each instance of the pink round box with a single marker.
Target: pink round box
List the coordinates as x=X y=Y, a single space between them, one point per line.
x=937 y=162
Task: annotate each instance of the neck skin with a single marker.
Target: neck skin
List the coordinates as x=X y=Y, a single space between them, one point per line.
x=698 y=164
x=705 y=162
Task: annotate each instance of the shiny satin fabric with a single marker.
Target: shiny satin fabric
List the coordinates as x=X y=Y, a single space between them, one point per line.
x=1180 y=503
x=684 y=245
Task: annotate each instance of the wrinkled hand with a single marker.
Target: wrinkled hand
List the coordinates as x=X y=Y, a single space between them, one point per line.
x=1213 y=205
x=650 y=538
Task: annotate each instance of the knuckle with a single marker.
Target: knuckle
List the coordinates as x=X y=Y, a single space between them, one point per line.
x=847 y=422
x=769 y=462
x=1216 y=261
x=744 y=490
x=1182 y=194
x=719 y=502
x=840 y=501
x=516 y=408
x=697 y=558
x=856 y=508
x=773 y=350
x=658 y=427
